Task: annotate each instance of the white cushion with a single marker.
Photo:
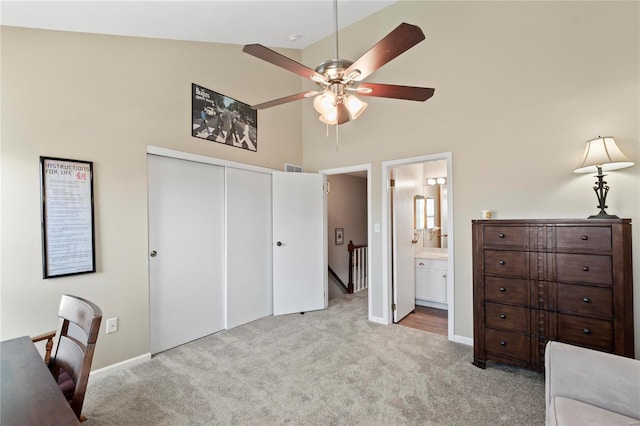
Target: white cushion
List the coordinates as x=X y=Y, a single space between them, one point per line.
x=567 y=411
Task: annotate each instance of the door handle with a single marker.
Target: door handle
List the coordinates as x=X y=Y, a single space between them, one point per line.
x=153 y=253
x=278 y=243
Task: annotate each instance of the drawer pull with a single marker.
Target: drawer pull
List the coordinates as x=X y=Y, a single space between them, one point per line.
x=421 y=264
x=503 y=316
x=502 y=262
x=585 y=268
x=586 y=300
x=586 y=331
x=501 y=235
x=502 y=289
x=503 y=343
x=585 y=237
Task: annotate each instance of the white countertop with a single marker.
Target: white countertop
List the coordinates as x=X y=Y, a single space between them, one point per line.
x=431 y=253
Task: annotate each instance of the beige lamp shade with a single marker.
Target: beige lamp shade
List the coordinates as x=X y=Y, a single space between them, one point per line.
x=604 y=153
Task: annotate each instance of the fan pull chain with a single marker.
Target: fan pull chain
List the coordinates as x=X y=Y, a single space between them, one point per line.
x=337 y=140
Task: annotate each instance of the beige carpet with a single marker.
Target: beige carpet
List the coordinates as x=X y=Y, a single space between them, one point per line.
x=321 y=368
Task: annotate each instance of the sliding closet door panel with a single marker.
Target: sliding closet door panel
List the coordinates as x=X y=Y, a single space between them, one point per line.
x=186 y=245
x=249 y=264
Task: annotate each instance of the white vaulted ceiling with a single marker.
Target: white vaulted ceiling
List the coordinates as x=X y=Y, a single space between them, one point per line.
x=270 y=23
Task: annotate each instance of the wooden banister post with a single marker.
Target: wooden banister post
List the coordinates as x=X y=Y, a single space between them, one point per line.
x=350 y=247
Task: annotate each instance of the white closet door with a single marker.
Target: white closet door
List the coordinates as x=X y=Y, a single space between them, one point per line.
x=249 y=265
x=186 y=244
x=299 y=261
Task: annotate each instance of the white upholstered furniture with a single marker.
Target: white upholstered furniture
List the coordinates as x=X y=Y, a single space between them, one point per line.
x=588 y=387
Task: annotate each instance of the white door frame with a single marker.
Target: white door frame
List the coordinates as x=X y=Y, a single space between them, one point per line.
x=350 y=169
x=386 y=232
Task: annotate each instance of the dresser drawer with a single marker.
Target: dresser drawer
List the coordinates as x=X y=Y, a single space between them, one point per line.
x=507 y=263
x=588 y=332
x=584 y=268
x=585 y=300
x=507 y=344
x=596 y=238
x=506 y=317
x=511 y=290
x=506 y=236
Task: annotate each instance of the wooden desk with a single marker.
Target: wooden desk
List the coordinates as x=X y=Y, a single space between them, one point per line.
x=28 y=393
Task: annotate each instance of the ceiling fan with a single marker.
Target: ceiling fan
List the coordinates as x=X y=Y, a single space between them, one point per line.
x=339 y=78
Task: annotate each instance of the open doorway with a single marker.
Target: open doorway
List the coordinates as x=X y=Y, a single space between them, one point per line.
x=418 y=255
x=348 y=224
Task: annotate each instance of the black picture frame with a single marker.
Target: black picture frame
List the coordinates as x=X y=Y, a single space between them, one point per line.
x=339 y=236
x=219 y=118
x=67 y=217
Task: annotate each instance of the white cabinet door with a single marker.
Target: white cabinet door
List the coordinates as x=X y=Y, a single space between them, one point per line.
x=431 y=280
x=299 y=238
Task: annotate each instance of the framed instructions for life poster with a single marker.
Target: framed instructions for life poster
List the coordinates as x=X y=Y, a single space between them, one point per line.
x=68 y=238
x=219 y=118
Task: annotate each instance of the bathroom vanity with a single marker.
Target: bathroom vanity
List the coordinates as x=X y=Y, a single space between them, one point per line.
x=431 y=277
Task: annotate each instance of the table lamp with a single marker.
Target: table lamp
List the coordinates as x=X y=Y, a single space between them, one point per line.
x=602 y=154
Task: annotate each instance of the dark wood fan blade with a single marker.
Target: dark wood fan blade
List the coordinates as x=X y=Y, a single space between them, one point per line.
x=343 y=113
x=410 y=93
x=271 y=56
x=398 y=41
x=284 y=100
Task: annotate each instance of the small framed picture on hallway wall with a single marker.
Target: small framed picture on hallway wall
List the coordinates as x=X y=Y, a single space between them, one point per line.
x=339 y=236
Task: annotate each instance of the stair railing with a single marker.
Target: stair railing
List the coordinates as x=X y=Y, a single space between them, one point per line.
x=357 y=267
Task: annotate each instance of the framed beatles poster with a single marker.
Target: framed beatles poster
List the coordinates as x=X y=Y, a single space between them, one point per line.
x=219 y=118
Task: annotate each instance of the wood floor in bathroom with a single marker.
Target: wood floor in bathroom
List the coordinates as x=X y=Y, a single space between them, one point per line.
x=427 y=319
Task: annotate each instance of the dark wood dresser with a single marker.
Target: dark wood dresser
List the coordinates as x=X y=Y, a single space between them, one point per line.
x=537 y=280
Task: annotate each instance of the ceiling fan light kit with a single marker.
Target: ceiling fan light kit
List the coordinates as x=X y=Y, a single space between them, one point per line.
x=338 y=77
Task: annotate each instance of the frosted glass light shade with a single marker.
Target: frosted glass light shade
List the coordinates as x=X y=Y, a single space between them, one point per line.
x=325 y=102
x=330 y=117
x=355 y=106
x=603 y=152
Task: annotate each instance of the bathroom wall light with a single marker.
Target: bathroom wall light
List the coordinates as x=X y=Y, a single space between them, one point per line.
x=438 y=181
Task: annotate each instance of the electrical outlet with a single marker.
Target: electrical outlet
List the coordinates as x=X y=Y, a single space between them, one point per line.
x=112 y=325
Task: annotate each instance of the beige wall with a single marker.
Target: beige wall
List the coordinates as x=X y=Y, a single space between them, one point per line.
x=104 y=99
x=520 y=87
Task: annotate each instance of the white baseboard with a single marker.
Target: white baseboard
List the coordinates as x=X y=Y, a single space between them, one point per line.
x=464 y=340
x=430 y=304
x=378 y=320
x=101 y=372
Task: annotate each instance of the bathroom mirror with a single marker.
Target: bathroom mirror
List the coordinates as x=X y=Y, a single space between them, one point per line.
x=430 y=213
x=419 y=210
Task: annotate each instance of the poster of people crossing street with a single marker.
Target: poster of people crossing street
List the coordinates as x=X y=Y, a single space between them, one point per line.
x=219 y=118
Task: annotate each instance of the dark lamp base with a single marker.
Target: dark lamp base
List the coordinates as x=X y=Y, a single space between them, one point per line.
x=603 y=215
x=602 y=189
